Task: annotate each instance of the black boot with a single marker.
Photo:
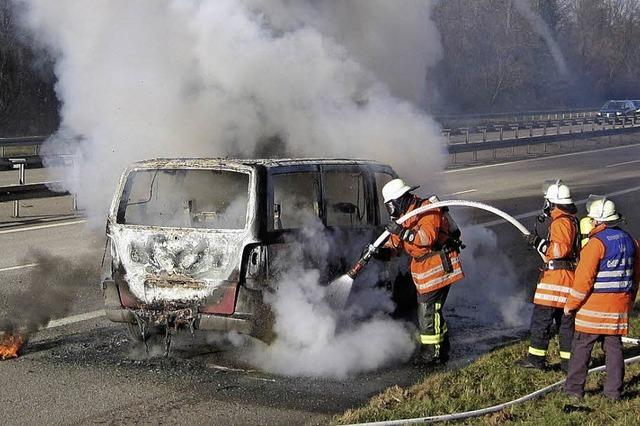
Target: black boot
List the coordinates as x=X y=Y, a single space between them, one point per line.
x=425 y=356
x=532 y=361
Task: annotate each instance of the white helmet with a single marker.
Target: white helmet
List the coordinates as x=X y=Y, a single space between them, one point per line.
x=557 y=192
x=601 y=209
x=395 y=189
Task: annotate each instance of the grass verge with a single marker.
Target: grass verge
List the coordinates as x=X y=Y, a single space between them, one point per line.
x=493 y=379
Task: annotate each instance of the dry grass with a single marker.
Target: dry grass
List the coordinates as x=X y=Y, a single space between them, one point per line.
x=494 y=379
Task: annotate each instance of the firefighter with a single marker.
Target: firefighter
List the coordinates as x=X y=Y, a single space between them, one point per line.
x=602 y=297
x=560 y=251
x=433 y=247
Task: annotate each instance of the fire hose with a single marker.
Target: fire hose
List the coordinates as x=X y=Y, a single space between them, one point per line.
x=364 y=259
x=488 y=410
x=338 y=290
x=494 y=408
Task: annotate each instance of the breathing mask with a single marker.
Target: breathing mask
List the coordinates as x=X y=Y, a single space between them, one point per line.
x=546 y=211
x=397 y=207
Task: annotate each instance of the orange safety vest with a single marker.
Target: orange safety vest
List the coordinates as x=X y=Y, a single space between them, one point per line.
x=600 y=312
x=555 y=282
x=426 y=251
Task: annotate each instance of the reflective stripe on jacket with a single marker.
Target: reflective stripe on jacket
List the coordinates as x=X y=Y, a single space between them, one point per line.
x=553 y=286
x=427 y=268
x=604 y=311
x=615 y=273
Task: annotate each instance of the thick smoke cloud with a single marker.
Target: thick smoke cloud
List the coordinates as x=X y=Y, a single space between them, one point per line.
x=140 y=79
x=315 y=338
x=49 y=291
x=166 y=78
x=492 y=291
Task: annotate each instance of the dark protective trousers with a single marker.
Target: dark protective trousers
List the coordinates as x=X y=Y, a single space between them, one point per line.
x=545 y=321
x=579 y=363
x=433 y=337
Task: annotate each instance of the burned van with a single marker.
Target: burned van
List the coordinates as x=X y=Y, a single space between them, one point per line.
x=194 y=242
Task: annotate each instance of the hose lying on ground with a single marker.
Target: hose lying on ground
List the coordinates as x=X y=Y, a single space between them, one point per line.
x=495 y=408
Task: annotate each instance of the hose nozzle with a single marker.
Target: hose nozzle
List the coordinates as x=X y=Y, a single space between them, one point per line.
x=366 y=256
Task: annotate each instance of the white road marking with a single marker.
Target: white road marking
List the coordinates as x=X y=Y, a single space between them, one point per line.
x=571 y=154
x=35 y=228
x=262 y=379
x=622 y=164
x=223 y=368
x=75 y=318
x=13 y=268
x=468 y=191
x=537 y=212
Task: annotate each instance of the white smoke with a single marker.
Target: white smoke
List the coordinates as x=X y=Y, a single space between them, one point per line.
x=315 y=338
x=166 y=78
x=542 y=29
x=312 y=340
x=140 y=79
x=492 y=290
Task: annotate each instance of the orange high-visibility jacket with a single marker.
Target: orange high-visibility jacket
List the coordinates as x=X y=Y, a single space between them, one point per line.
x=432 y=231
x=554 y=285
x=600 y=313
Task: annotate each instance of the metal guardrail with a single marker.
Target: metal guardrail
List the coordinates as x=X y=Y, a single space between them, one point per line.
x=537 y=140
x=12 y=157
x=526 y=129
x=518 y=116
x=24 y=140
x=509 y=129
x=31 y=191
x=10 y=144
x=23 y=190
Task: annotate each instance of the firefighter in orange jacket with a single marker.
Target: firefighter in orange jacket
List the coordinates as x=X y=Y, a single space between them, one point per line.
x=560 y=251
x=602 y=297
x=433 y=247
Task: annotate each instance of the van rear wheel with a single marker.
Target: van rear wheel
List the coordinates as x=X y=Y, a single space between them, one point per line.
x=136 y=335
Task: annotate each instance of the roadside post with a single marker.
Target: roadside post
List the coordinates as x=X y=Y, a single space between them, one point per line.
x=19 y=164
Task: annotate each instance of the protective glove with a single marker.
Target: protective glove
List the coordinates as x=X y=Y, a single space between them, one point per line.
x=405 y=234
x=455 y=244
x=540 y=244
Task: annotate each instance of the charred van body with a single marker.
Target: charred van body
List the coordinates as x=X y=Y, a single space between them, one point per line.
x=196 y=243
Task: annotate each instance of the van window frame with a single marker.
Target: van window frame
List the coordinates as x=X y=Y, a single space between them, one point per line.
x=251 y=200
x=288 y=170
x=378 y=191
x=369 y=189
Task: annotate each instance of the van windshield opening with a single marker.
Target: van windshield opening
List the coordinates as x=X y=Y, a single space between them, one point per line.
x=190 y=198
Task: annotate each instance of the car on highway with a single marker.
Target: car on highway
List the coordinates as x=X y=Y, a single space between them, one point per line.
x=617 y=109
x=636 y=106
x=197 y=243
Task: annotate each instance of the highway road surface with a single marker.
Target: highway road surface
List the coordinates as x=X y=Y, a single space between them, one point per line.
x=85 y=370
